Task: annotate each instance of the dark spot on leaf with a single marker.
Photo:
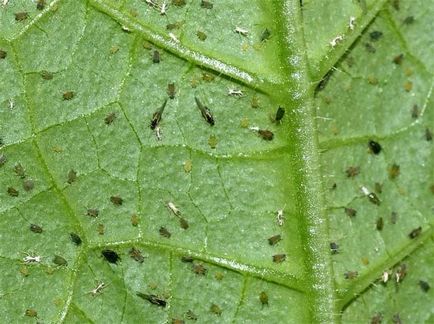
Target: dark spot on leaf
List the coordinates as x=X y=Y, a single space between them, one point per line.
x=201 y=35
x=36 y=228
x=395 y=4
x=116 y=200
x=31 y=312
x=3 y=54
x=279 y=114
x=424 y=285
x=75 y=239
x=378 y=187
x=111 y=256
x=377 y=318
x=324 y=81
x=408 y=86
x=428 y=135
x=3 y=159
x=100 y=229
x=179 y=3
x=183 y=223
x=393 y=217
x=415 y=233
x=396 y=319
x=40 y=5
x=375 y=147
x=187 y=259
x=153 y=299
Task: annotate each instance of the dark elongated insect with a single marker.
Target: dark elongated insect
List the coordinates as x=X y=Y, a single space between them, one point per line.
x=206 y=113
x=156 y=117
x=110 y=256
x=153 y=299
x=75 y=239
x=279 y=114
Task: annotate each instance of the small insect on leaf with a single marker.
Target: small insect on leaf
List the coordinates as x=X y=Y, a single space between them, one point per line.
x=75 y=238
x=183 y=223
x=279 y=258
x=40 y=4
x=398 y=59
x=201 y=35
x=3 y=159
x=428 y=135
x=19 y=170
x=415 y=233
x=60 y=261
x=136 y=254
x=396 y=319
x=415 y=112
x=274 y=239
x=156 y=56
x=334 y=248
x=218 y=276
x=116 y=200
x=178 y=3
x=72 y=176
x=352 y=171
x=351 y=275
x=424 y=285
x=31 y=312
x=380 y=224
x=215 y=309
x=394 y=171
x=375 y=147
x=110 y=256
x=21 y=16
x=199 y=269
x=408 y=86
x=156 y=117
x=68 y=95
x=375 y=35
x=3 y=54
x=369 y=48
x=400 y=272
x=153 y=299
x=241 y=31
x=110 y=118
x=171 y=90
x=377 y=318
x=266 y=34
x=36 y=228
x=46 y=75
x=101 y=229
x=206 y=113
x=408 y=20
x=190 y=315
x=187 y=259
x=98 y=289
x=164 y=232
x=28 y=185
x=13 y=192
x=263 y=298
x=206 y=4
x=279 y=114
x=134 y=220
x=266 y=134
x=92 y=212
x=177 y=321
x=188 y=166
x=212 y=141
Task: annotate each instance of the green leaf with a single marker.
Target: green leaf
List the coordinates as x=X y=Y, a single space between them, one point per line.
x=104 y=219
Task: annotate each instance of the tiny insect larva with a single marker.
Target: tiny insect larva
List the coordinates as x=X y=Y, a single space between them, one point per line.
x=110 y=118
x=263 y=298
x=235 y=92
x=241 y=31
x=206 y=113
x=352 y=23
x=46 y=75
x=280 y=218
x=110 y=256
x=394 y=171
x=164 y=232
x=415 y=233
x=75 y=238
x=206 y=4
x=199 y=269
x=153 y=299
x=13 y=192
x=156 y=56
x=21 y=16
x=350 y=212
x=351 y=275
x=266 y=34
x=92 y=212
x=31 y=312
x=190 y=315
x=3 y=54
x=187 y=259
x=100 y=229
x=3 y=159
x=424 y=285
x=183 y=223
x=156 y=117
x=28 y=185
x=136 y=254
x=72 y=176
x=60 y=261
x=40 y=5
x=279 y=114
x=19 y=170
x=215 y=309
x=373 y=198
x=398 y=59
x=400 y=272
x=201 y=35
x=334 y=248
x=380 y=224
